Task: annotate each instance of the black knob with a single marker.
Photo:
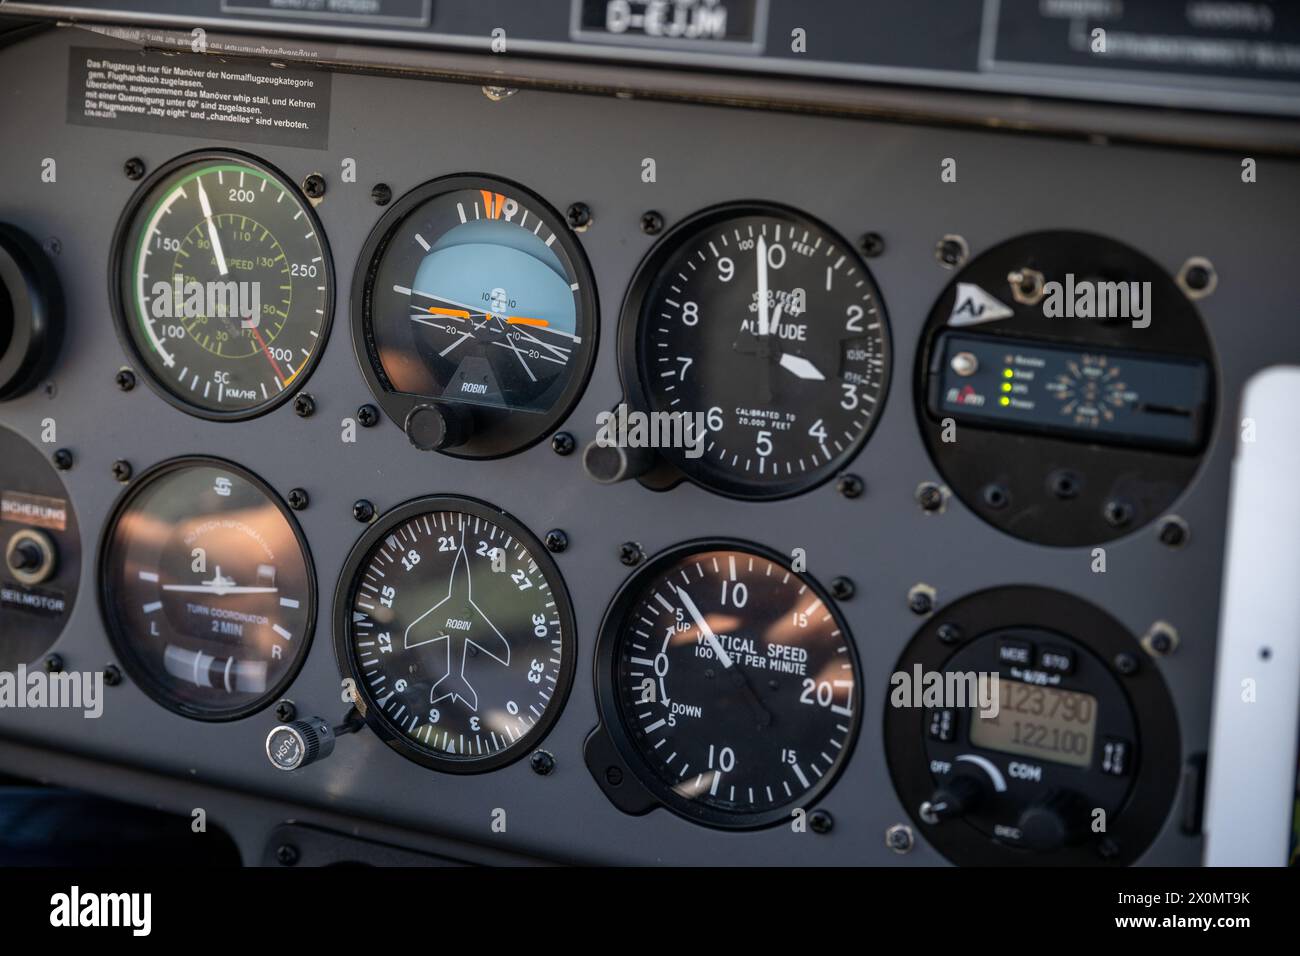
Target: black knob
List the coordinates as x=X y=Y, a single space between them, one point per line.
x=955 y=797
x=25 y=556
x=294 y=745
x=610 y=463
x=1059 y=818
x=438 y=427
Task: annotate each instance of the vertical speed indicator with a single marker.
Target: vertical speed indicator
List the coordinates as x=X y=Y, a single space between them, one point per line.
x=728 y=683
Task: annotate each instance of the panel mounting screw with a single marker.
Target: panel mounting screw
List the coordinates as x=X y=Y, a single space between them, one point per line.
x=1161 y=639
x=1126 y=663
x=850 y=486
x=313 y=187
x=1117 y=513
x=286 y=854
x=285 y=711
x=951 y=251
x=820 y=821
x=542 y=762
x=54 y=663
x=1065 y=484
x=578 y=216
x=652 y=222
x=630 y=553
x=122 y=470
x=112 y=675
x=381 y=194
x=134 y=168
x=871 y=244
x=1197 y=277
x=1173 y=532
x=613 y=776
x=842 y=588
x=920 y=599
x=995 y=496
x=367 y=416
x=899 y=838
x=929 y=496
x=562 y=443
x=298 y=499
x=556 y=540
x=125 y=379
x=363 y=510
x=948 y=633
x=304 y=405
x=62 y=459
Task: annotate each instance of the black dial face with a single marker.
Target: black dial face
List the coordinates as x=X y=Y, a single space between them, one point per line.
x=476 y=298
x=766 y=329
x=207 y=588
x=456 y=630
x=222 y=285
x=735 y=684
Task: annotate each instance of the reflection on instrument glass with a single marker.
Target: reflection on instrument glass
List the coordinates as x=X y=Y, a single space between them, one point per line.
x=1039 y=722
x=477 y=303
x=455 y=626
x=736 y=683
x=208 y=590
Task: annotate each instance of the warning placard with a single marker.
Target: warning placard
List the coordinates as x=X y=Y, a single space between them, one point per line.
x=198 y=96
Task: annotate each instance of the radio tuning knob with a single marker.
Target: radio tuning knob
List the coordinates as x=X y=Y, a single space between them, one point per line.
x=608 y=464
x=955 y=797
x=1057 y=819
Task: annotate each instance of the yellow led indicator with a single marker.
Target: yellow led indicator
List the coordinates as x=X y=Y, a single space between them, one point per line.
x=1004 y=400
x=1007 y=373
x=1006 y=386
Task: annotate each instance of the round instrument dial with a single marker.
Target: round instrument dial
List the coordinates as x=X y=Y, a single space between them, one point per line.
x=207 y=588
x=456 y=630
x=766 y=329
x=222 y=284
x=730 y=683
x=476 y=316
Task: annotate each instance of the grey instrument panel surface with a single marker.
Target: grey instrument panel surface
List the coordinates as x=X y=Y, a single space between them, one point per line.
x=854 y=175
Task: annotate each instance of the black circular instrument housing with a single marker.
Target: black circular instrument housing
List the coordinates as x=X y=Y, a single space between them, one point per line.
x=125 y=641
x=346 y=655
x=1136 y=707
x=1008 y=477
x=35 y=503
x=119 y=282
x=489 y=432
x=615 y=742
x=31 y=313
x=651 y=285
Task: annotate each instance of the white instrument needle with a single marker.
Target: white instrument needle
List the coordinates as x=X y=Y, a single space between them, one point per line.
x=212 y=229
x=801 y=367
x=723 y=657
x=762 y=285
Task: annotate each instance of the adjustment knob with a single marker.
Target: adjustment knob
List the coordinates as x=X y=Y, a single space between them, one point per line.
x=1056 y=820
x=294 y=745
x=608 y=464
x=31 y=556
x=438 y=427
x=955 y=797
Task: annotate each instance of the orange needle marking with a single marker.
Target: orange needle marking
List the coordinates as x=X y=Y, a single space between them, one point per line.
x=455 y=313
x=520 y=320
x=267 y=352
